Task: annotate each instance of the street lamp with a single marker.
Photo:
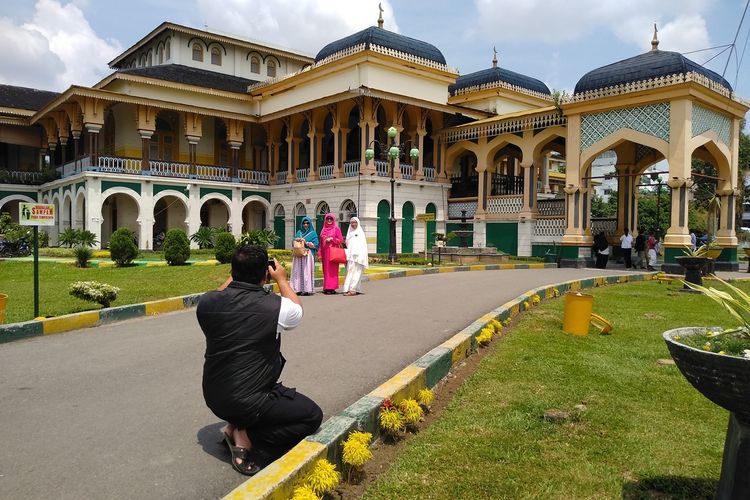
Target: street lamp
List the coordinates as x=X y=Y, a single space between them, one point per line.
x=659 y=182
x=394 y=151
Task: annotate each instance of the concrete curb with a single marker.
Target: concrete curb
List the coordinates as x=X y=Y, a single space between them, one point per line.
x=278 y=480
x=86 y=319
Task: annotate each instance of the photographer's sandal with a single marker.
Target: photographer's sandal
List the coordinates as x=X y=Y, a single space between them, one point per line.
x=246 y=466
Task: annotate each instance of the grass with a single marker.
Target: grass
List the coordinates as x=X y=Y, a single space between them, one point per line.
x=645 y=432
x=137 y=284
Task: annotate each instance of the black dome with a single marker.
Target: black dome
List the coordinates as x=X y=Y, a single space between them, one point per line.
x=652 y=64
x=384 y=38
x=492 y=75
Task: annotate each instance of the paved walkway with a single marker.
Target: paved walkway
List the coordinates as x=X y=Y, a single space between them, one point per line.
x=117 y=412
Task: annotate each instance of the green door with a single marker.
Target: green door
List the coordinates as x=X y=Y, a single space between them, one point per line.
x=407 y=228
x=384 y=237
x=431 y=226
x=279 y=228
x=503 y=236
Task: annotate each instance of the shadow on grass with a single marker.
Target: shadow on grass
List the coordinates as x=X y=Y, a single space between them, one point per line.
x=670 y=487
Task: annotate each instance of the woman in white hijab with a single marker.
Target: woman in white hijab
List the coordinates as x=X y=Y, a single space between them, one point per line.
x=356 y=258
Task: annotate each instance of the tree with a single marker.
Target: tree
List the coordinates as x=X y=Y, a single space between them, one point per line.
x=225 y=247
x=122 y=247
x=601 y=208
x=204 y=237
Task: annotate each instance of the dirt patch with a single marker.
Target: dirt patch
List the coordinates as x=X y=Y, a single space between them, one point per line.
x=385 y=454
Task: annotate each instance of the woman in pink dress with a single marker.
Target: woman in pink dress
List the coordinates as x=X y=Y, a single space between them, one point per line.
x=330 y=236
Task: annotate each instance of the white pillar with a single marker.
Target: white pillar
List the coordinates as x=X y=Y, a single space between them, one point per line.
x=93 y=213
x=480 y=233
x=194 y=211
x=146 y=216
x=235 y=212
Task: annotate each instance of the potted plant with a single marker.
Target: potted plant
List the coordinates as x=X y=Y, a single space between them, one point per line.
x=693 y=262
x=717 y=363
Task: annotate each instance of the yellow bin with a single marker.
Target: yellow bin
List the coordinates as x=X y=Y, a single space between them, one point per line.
x=577 y=315
x=3 y=302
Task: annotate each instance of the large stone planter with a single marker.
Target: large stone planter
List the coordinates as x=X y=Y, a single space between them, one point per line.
x=725 y=380
x=693 y=267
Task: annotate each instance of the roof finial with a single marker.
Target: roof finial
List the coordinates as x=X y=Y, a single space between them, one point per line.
x=380 y=17
x=494 y=57
x=655 y=40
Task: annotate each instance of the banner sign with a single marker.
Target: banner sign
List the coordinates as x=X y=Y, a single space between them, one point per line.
x=36 y=214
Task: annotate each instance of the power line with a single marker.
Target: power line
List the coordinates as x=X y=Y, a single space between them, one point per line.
x=704 y=50
x=742 y=19
x=742 y=56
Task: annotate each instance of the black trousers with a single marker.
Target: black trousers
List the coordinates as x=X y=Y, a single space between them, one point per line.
x=626 y=256
x=284 y=419
x=601 y=260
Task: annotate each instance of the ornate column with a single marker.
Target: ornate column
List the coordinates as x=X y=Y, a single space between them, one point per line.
x=529 y=207
x=146 y=126
x=235 y=138
x=545 y=174
x=193 y=134
x=483 y=174
x=680 y=166
x=93 y=120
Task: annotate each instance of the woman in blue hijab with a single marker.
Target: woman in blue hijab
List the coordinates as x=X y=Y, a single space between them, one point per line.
x=304 y=248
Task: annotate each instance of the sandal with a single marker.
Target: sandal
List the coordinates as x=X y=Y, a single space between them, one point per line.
x=246 y=467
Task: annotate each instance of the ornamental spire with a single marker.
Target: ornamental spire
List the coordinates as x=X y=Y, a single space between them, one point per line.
x=655 y=40
x=494 y=57
x=380 y=17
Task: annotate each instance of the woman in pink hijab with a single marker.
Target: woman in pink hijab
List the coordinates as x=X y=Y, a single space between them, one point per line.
x=330 y=236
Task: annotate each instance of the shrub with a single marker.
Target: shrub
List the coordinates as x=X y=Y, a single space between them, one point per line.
x=83 y=255
x=69 y=237
x=87 y=238
x=43 y=239
x=176 y=247
x=225 y=246
x=263 y=237
x=204 y=237
x=122 y=247
x=93 y=291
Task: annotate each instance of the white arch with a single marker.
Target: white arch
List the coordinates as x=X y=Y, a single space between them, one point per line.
x=618 y=136
x=279 y=210
x=172 y=192
x=121 y=190
x=19 y=197
x=266 y=204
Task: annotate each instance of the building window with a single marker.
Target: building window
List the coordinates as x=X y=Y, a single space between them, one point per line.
x=271 y=69
x=150 y=58
x=143 y=60
x=254 y=64
x=197 y=52
x=160 y=54
x=215 y=57
x=169 y=50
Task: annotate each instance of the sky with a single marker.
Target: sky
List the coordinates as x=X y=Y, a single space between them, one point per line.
x=51 y=44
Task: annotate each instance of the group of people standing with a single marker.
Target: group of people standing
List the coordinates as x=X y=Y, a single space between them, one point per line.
x=646 y=249
x=303 y=263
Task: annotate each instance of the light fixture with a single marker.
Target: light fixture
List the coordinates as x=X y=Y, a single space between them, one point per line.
x=414 y=153
x=392 y=132
x=369 y=154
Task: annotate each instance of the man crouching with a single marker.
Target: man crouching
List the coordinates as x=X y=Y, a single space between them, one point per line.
x=242 y=323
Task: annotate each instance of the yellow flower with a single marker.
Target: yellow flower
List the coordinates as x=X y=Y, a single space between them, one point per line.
x=411 y=410
x=496 y=325
x=707 y=346
x=360 y=437
x=555 y=292
x=323 y=477
x=535 y=300
x=676 y=337
x=425 y=397
x=355 y=453
x=484 y=337
x=722 y=352
x=304 y=492
x=391 y=420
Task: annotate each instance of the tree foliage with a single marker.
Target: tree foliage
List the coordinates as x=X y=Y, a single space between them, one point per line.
x=225 y=247
x=176 y=247
x=122 y=247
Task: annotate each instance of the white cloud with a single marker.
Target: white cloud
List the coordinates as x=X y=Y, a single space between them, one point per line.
x=305 y=25
x=53 y=50
x=554 y=21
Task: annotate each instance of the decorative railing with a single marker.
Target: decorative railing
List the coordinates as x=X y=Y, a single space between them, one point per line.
x=325 y=172
x=116 y=164
x=381 y=167
x=407 y=171
x=169 y=169
x=507 y=126
x=74 y=166
x=281 y=177
x=506 y=184
x=211 y=173
x=411 y=58
x=503 y=85
x=459 y=209
x=550 y=227
x=551 y=208
x=429 y=174
x=609 y=226
x=21 y=177
x=464 y=187
x=504 y=204
x=351 y=168
x=302 y=174
x=254 y=176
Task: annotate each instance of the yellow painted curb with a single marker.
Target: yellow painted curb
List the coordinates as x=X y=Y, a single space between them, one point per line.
x=162 y=306
x=70 y=322
x=446 y=269
x=274 y=482
x=478 y=267
x=507 y=266
x=414 y=272
x=459 y=345
x=536 y=265
x=156 y=263
x=207 y=262
x=379 y=276
x=405 y=384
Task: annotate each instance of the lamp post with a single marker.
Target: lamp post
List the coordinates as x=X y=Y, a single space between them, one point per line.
x=659 y=182
x=394 y=151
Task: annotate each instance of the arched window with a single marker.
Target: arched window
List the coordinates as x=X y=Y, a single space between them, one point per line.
x=197 y=52
x=254 y=64
x=143 y=60
x=168 y=50
x=150 y=58
x=279 y=211
x=215 y=56
x=348 y=210
x=271 y=69
x=160 y=54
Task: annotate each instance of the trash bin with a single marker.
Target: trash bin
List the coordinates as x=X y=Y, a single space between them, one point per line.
x=3 y=301
x=577 y=313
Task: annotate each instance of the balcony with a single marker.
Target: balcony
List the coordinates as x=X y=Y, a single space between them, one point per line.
x=26 y=178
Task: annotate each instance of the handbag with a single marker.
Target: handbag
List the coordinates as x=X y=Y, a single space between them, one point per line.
x=336 y=255
x=299 y=249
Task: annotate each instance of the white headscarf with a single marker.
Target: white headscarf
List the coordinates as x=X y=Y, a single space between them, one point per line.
x=356 y=244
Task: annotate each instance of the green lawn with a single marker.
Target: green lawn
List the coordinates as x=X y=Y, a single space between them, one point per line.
x=645 y=433
x=137 y=284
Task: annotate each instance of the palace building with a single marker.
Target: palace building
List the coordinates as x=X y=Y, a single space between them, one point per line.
x=197 y=128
